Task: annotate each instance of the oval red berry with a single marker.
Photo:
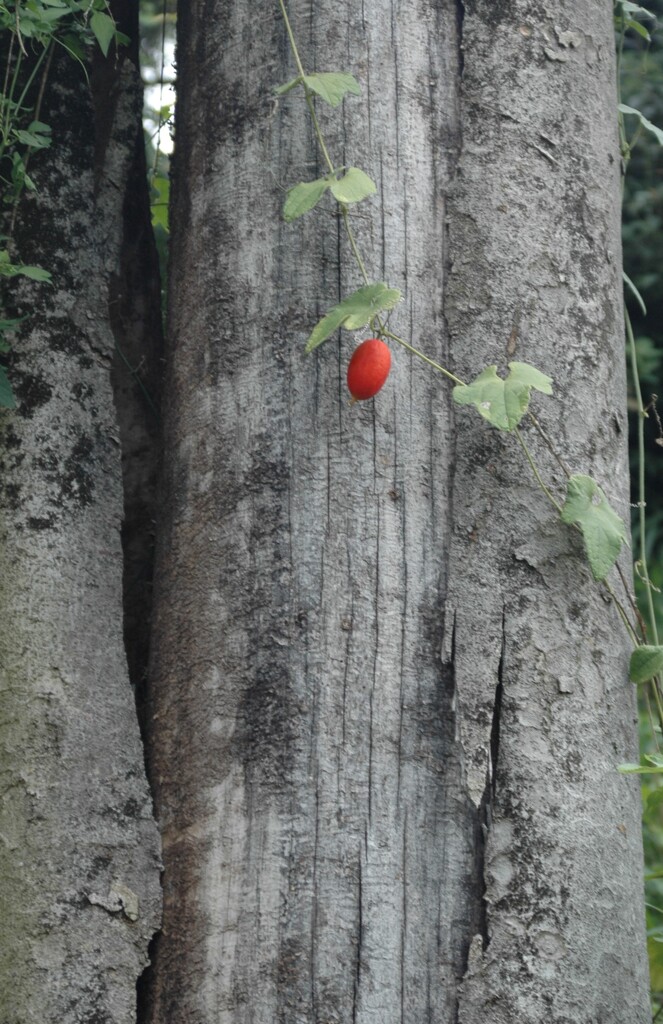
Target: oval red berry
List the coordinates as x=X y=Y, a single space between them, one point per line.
x=368 y=368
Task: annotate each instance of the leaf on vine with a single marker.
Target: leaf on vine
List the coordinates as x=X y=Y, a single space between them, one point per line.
x=631 y=8
x=7 y=400
x=103 y=29
x=654 y=766
x=33 y=139
x=353 y=186
x=35 y=273
x=8 y=269
x=331 y=86
x=503 y=402
x=624 y=109
x=635 y=26
x=354 y=312
x=646 y=662
x=303 y=197
x=603 y=531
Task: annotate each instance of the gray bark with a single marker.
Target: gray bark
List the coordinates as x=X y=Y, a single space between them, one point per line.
x=79 y=857
x=540 y=659
x=353 y=603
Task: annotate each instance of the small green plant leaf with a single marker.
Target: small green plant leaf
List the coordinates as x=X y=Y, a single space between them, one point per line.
x=8 y=269
x=654 y=766
x=603 y=531
x=281 y=90
x=331 y=86
x=11 y=325
x=354 y=312
x=40 y=128
x=32 y=139
x=303 y=197
x=353 y=186
x=636 y=293
x=531 y=377
x=7 y=400
x=624 y=109
x=635 y=26
x=160 y=199
x=631 y=8
x=367 y=302
x=325 y=328
x=35 y=273
x=646 y=662
x=503 y=402
x=103 y=29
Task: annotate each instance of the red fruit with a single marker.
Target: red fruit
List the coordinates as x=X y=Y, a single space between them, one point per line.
x=368 y=368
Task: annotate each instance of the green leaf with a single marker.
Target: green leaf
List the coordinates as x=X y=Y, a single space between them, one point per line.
x=7 y=399
x=10 y=325
x=103 y=28
x=74 y=47
x=160 y=200
x=653 y=803
x=304 y=197
x=8 y=269
x=367 y=302
x=646 y=662
x=353 y=186
x=355 y=311
x=325 y=328
x=636 y=293
x=40 y=128
x=503 y=402
x=331 y=86
x=624 y=109
x=654 y=766
x=603 y=531
x=531 y=377
x=281 y=90
x=52 y=15
x=31 y=139
x=631 y=8
x=35 y=273
x=635 y=26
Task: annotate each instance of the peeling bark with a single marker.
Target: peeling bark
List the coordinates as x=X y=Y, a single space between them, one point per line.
x=358 y=609
x=79 y=856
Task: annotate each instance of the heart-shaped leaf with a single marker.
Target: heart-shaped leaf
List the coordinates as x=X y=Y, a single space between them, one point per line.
x=603 y=531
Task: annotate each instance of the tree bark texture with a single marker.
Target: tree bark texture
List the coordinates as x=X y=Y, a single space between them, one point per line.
x=540 y=659
x=79 y=871
x=387 y=702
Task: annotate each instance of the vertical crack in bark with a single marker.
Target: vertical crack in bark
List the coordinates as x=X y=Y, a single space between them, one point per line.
x=360 y=926
x=495 y=729
x=134 y=305
x=483 y=818
x=486 y=810
x=460 y=17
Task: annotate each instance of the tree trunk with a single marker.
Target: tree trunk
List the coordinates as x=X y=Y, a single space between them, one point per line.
x=79 y=870
x=387 y=701
x=540 y=659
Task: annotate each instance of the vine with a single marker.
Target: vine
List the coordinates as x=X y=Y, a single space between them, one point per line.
x=33 y=29
x=503 y=402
